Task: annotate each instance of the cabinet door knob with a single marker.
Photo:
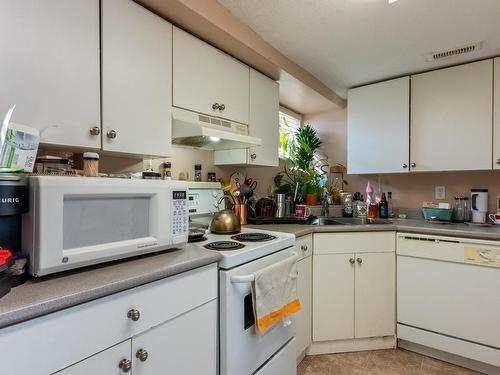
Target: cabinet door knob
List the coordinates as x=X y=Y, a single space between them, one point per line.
x=95 y=130
x=142 y=355
x=304 y=247
x=359 y=260
x=253 y=156
x=351 y=260
x=413 y=165
x=125 y=365
x=405 y=166
x=134 y=315
x=215 y=106
x=498 y=161
x=222 y=107
x=111 y=134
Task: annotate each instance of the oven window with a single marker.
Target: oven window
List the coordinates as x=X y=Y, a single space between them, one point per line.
x=93 y=221
x=249 y=315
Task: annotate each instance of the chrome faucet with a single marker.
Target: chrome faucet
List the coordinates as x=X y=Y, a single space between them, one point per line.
x=325 y=206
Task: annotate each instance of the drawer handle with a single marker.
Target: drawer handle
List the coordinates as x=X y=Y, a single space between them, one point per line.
x=142 y=355
x=304 y=248
x=125 y=365
x=351 y=260
x=134 y=315
x=359 y=260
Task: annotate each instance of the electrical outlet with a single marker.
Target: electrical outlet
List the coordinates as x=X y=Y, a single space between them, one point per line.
x=440 y=192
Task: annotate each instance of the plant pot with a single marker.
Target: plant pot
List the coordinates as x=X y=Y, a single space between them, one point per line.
x=311 y=199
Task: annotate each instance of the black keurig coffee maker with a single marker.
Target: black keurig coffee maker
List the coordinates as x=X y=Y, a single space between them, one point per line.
x=13 y=203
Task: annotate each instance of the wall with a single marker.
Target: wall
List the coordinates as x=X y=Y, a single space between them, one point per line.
x=409 y=190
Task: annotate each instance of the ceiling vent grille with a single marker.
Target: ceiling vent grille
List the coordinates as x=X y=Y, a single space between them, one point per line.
x=443 y=55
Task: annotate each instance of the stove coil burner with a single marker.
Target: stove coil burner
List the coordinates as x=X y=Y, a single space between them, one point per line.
x=253 y=237
x=224 y=245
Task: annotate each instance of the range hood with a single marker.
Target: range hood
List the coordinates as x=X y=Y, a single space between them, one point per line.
x=209 y=133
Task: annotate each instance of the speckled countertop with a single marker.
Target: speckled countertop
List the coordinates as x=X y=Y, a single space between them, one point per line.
x=42 y=296
x=410 y=226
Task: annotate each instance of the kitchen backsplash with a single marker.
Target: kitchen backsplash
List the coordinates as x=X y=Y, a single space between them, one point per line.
x=408 y=190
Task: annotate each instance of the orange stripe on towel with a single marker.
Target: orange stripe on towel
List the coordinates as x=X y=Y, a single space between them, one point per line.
x=266 y=322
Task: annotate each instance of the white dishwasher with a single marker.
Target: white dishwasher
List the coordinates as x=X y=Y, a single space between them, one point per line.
x=448 y=295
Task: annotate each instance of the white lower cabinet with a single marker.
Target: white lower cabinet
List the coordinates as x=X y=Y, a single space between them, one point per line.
x=106 y=362
x=353 y=291
x=170 y=320
x=170 y=347
x=303 y=319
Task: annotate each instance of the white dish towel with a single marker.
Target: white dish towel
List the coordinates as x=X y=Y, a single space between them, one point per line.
x=274 y=294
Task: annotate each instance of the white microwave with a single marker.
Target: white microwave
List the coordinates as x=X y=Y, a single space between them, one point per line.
x=75 y=222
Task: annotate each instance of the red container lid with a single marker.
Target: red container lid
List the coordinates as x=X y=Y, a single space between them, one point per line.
x=5 y=259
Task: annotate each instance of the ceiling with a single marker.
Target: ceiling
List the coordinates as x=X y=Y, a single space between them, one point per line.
x=347 y=43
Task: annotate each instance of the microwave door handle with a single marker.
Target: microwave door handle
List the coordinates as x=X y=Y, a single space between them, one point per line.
x=249 y=278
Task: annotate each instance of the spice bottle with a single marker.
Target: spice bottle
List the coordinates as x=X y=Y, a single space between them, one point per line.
x=197 y=172
x=90 y=164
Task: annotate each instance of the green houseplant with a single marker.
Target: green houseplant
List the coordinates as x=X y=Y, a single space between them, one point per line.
x=301 y=170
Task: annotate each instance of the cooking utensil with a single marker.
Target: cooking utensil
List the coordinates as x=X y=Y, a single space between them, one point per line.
x=237 y=177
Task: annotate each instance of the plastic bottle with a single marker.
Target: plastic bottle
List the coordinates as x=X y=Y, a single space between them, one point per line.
x=390 y=204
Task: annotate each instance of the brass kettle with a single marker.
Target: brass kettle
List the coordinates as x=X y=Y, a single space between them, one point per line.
x=225 y=221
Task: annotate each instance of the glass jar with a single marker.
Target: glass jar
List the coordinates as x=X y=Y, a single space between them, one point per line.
x=461 y=209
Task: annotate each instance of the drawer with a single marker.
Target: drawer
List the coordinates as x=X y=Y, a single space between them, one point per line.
x=304 y=246
x=59 y=339
x=355 y=242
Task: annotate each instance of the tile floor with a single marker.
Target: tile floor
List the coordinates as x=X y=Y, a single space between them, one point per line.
x=378 y=362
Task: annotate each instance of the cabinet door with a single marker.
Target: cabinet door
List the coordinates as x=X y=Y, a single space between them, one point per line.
x=185 y=345
x=378 y=127
x=264 y=119
x=375 y=295
x=333 y=297
x=496 y=114
x=303 y=322
x=194 y=73
x=451 y=118
x=104 y=363
x=263 y=124
x=50 y=68
x=136 y=79
x=232 y=88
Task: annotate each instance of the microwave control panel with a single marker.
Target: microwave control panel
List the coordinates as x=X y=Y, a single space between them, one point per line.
x=179 y=212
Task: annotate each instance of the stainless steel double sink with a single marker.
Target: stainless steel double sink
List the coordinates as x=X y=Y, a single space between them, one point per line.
x=323 y=220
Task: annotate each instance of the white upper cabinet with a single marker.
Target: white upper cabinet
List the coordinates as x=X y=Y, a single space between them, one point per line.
x=207 y=80
x=263 y=124
x=233 y=80
x=378 y=127
x=50 y=68
x=451 y=118
x=194 y=79
x=496 y=116
x=264 y=119
x=136 y=79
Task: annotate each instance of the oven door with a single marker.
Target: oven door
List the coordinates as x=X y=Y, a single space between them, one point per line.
x=242 y=349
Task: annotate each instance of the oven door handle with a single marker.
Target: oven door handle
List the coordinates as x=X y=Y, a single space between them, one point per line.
x=250 y=278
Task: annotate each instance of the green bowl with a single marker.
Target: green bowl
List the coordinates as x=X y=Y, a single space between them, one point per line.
x=437 y=214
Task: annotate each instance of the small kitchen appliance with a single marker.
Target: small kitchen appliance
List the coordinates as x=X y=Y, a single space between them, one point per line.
x=13 y=204
x=75 y=222
x=479 y=205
